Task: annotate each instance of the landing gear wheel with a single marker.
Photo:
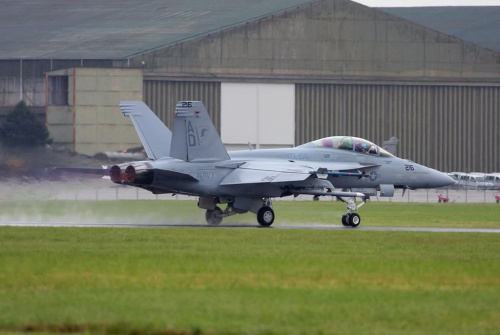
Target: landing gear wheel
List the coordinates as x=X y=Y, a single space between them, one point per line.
x=345 y=220
x=214 y=217
x=265 y=216
x=354 y=220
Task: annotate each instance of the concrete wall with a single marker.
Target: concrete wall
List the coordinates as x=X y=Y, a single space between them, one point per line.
x=327 y=38
x=92 y=122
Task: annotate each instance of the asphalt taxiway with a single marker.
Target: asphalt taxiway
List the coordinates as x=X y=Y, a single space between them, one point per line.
x=246 y=226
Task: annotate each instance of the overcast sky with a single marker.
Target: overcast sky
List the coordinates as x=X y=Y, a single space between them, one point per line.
x=424 y=3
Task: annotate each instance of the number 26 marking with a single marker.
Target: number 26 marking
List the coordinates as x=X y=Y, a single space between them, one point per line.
x=409 y=167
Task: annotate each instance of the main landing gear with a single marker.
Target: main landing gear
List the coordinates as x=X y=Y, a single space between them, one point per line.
x=265 y=216
x=351 y=219
x=262 y=207
x=214 y=216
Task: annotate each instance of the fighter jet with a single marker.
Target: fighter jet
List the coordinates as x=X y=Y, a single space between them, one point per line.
x=192 y=160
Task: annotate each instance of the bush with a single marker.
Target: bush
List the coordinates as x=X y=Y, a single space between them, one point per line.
x=21 y=127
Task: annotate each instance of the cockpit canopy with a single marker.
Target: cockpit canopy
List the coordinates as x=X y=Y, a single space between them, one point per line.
x=351 y=144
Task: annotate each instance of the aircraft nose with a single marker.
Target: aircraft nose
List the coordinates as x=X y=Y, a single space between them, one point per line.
x=440 y=179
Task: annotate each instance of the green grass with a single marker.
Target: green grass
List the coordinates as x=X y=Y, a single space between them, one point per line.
x=250 y=281
x=259 y=281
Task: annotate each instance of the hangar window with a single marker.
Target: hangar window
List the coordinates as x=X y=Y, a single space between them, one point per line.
x=58 y=90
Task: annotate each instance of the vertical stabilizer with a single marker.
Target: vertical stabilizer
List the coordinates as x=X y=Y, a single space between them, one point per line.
x=195 y=137
x=391 y=145
x=154 y=135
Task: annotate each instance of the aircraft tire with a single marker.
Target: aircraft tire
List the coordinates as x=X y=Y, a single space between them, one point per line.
x=345 y=220
x=354 y=220
x=213 y=216
x=265 y=216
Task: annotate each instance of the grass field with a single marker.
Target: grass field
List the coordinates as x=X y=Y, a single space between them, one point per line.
x=249 y=281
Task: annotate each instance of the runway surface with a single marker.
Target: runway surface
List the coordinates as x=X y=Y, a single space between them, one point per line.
x=247 y=226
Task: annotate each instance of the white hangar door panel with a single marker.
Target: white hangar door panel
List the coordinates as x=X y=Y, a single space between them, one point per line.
x=262 y=114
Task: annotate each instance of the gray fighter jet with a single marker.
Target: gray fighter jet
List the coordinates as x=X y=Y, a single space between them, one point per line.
x=192 y=160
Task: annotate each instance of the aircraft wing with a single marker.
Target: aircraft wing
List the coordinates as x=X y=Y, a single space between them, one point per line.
x=255 y=172
x=267 y=172
x=259 y=172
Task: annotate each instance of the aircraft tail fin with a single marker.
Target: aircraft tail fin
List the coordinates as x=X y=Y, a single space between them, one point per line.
x=195 y=138
x=153 y=133
x=391 y=145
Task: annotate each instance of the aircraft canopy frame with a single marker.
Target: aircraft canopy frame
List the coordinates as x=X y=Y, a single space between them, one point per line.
x=350 y=143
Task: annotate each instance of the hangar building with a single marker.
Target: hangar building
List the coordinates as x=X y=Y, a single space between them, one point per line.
x=278 y=73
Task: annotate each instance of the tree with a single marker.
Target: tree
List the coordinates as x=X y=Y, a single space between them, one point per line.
x=21 y=127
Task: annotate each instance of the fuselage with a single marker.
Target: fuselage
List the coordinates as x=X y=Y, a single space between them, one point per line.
x=379 y=169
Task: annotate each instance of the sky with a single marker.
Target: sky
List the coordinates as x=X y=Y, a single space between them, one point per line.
x=425 y=3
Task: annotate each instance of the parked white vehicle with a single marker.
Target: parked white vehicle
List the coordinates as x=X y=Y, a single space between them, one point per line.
x=471 y=181
x=482 y=183
x=493 y=178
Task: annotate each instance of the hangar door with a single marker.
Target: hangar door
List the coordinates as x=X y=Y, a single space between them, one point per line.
x=262 y=114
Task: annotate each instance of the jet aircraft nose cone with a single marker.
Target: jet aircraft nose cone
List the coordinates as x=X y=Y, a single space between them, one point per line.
x=440 y=179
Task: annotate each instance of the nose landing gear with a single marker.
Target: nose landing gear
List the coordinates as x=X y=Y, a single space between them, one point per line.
x=351 y=219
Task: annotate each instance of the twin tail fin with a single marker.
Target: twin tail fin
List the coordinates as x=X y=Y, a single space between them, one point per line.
x=195 y=138
x=153 y=133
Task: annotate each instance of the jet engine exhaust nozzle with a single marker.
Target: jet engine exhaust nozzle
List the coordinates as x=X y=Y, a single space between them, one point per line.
x=138 y=174
x=115 y=174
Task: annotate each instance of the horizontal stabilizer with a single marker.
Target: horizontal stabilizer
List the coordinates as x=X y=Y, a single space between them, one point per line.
x=76 y=172
x=153 y=133
x=82 y=170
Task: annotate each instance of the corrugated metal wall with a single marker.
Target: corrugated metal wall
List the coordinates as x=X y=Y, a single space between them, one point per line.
x=451 y=128
x=162 y=96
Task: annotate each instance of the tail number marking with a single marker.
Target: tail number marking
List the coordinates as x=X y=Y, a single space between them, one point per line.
x=197 y=135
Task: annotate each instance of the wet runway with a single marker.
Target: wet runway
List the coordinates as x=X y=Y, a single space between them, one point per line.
x=248 y=226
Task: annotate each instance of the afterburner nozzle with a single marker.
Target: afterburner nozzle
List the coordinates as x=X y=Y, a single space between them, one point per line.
x=138 y=173
x=115 y=174
x=131 y=173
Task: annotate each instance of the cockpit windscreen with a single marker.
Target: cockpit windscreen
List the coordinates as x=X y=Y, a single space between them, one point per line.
x=351 y=144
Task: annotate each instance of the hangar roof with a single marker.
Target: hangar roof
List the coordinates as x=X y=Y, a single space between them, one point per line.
x=116 y=29
x=478 y=25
